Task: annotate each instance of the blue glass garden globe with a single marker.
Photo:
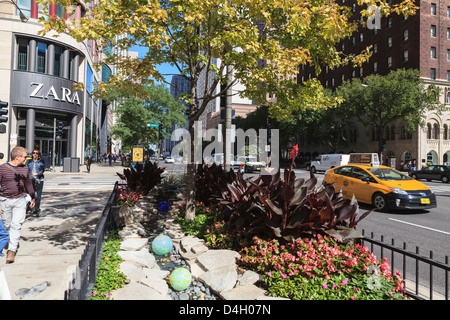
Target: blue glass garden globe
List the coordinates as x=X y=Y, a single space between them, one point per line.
x=162 y=245
x=180 y=279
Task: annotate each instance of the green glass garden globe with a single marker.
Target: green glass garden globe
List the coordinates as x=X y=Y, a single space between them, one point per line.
x=180 y=279
x=162 y=245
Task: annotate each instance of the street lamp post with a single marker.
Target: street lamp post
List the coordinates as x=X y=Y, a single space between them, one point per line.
x=23 y=17
x=380 y=117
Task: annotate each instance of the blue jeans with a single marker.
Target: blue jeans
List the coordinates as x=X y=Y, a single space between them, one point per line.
x=38 y=186
x=4 y=237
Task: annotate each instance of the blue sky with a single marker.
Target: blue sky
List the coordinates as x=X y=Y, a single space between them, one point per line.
x=164 y=68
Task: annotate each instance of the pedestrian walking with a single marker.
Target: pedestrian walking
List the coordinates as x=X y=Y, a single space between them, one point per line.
x=88 y=163
x=4 y=290
x=413 y=167
x=110 y=159
x=36 y=168
x=15 y=184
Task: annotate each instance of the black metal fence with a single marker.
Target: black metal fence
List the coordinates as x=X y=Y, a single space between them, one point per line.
x=83 y=279
x=425 y=278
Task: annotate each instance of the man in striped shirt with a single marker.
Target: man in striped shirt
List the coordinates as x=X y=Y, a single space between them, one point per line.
x=15 y=184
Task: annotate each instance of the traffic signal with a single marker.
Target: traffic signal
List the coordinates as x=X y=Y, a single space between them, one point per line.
x=3 y=111
x=160 y=130
x=383 y=145
x=59 y=130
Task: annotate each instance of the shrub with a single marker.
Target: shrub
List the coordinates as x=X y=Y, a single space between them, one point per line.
x=143 y=177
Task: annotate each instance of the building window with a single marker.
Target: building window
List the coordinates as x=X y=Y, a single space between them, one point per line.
x=361 y=71
x=389 y=22
x=448 y=12
x=353 y=40
x=435 y=133
x=445 y=133
x=433 y=53
x=375 y=48
x=433 y=73
x=448 y=77
x=448 y=54
x=361 y=36
x=58 y=61
x=342 y=79
x=22 y=57
x=41 y=54
x=389 y=62
x=405 y=35
x=405 y=56
x=429 y=131
x=433 y=9
x=389 y=42
x=375 y=67
x=448 y=33
x=448 y=97
x=433 y=31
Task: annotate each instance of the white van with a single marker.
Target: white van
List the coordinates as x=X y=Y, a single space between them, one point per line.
x=328 y=161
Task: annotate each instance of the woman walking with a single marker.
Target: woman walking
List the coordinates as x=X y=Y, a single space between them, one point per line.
x=36 y=167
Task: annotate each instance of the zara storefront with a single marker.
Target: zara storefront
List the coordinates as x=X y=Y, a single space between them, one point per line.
x=38 y=77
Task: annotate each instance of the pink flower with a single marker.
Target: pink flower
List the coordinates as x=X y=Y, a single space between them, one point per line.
x=352 y=297
x=344 y=282
x=269 y=274
x=324 y=285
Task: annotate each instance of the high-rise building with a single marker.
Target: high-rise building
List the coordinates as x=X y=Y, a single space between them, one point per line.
x=422 y=42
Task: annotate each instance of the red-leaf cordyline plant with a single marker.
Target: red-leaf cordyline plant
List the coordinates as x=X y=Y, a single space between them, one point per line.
x=289 y=208
x=143 y=177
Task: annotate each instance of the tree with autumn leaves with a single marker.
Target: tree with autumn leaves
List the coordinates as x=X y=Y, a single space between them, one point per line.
x=263 y=41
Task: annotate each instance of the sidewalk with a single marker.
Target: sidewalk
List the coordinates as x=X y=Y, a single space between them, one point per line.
x=51 y=245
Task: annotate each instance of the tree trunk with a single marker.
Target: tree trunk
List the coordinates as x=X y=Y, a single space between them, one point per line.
x=190 y=176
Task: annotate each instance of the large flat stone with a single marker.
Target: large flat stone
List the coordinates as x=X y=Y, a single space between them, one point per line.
x=132 y=270
x=155 y=273
x=133 y=244
x=138 y=291
x=220 y=279
x=143 y=257
x=245 y=292
x=159 y=285
x=213 y=259
x=249 y=277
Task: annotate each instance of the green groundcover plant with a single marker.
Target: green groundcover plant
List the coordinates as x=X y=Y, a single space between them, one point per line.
x=109 y=277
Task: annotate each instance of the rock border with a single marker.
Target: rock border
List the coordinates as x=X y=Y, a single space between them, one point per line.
x=215 y=268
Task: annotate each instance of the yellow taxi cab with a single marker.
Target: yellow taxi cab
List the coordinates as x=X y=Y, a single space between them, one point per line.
x=380 y=186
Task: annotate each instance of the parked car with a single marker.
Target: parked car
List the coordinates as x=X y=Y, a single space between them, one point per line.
x=250 y=163
x=169 y=160
x=433 y=172
x=380 y=186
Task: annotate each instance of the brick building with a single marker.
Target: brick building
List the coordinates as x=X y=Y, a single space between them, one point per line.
x=421 y=42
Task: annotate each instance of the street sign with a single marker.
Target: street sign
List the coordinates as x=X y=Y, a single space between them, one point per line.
x=155 y=125
x=138 y=154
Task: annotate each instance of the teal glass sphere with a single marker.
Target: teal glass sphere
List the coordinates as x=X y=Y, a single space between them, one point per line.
x=180 y=279
x=162 y=245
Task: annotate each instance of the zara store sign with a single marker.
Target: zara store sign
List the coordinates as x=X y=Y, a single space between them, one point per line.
x=43 y=91
x=65 y=94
